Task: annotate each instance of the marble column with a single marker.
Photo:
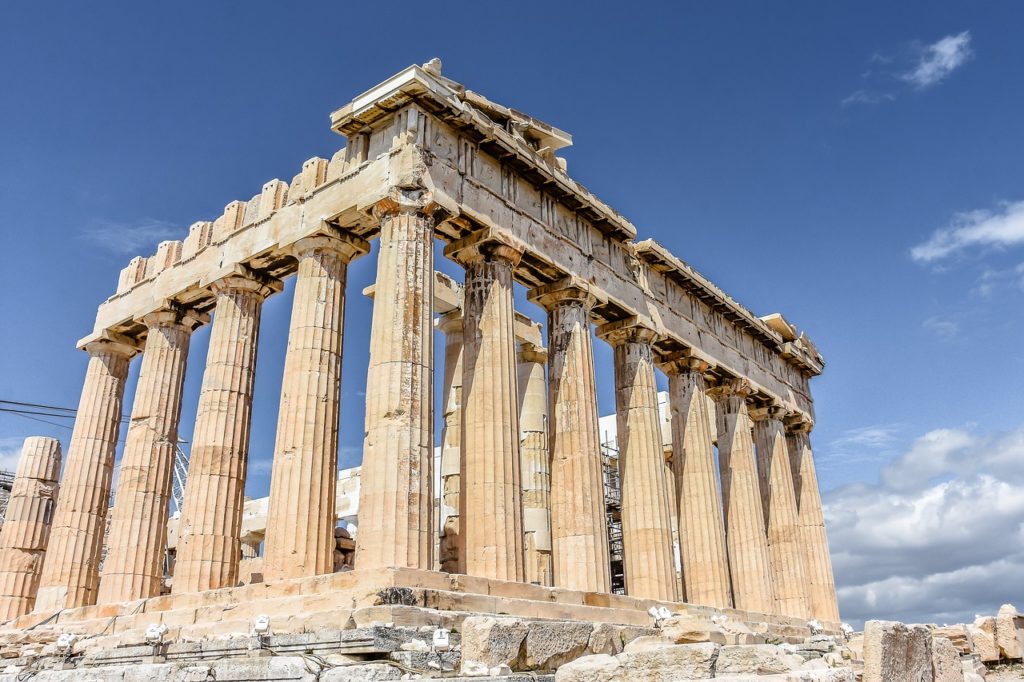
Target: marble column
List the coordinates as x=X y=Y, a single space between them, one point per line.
x=26 y=526
x=70 y=577
x=450 y=325
x=211 y=517
x=536 y=468
x=490 y=475
x=396 y=498
x=747 y=543
x=811 y=523
x=648 y=564
x=138 y=525
x=579 y=532
x=305 y=470
x=698 y=503
x=778 y=503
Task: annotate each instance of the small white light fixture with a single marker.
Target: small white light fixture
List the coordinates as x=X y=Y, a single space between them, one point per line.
x=442 y=641
x=155 y=634
x=261 y=628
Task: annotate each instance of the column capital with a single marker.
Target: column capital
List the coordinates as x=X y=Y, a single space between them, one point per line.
x=242 y=278
x=108 y=342
x=633 y=329
x=487 y=244
x=569 y=289
x=729 y=388
x=531 y=352
x=767 y=412
x=684 y=362
x=330 y=239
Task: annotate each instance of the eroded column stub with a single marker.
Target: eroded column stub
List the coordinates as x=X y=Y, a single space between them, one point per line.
x=451 y=325
x=208 y=532
x=646 y=526
x=579 y=535
x=698 y=503
x=70 y=577
x=138 y=525
x=490 y=477
x=536 y=467
x=304 y=476
x=749 y=565
x=821 y=590
x=26 y=528
x=396 y=498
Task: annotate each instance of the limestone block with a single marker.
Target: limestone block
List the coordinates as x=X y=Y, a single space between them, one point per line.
x=894 y=651
x=760 y=659
x=958 y=635
x=488 y=642
x=983 y=636
x=1008 y=637
x=946 y=661
x=551 y=644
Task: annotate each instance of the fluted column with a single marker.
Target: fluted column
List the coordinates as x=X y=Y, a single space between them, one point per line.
x=698 y=503
x=533 y=418
x=778 y=502
x=70 y=576
x=811 y=522
x=305 y=470
x=579 y=532
x=26 y=526
x=211 y=517
x=646 y=526
x=490 y=477
x=451 y=436
x=396 y=499
x=138 y=524
x=749 y=564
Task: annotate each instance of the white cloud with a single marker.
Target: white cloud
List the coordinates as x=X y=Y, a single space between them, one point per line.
x=939 y=59
x=982 y=228
x=132 y=239
x=940 y=538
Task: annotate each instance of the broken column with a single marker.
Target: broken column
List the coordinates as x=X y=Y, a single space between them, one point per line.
x=305 y=469
x=395 y=506
x=138 y=526
x=698 y=503
x=646 y=527
x=579 y=535
x=490 y=483
x=450 y=325
x=208 y=551
x=821 y=588
x=741 y=500
x=778 y=503
x=26 y=526
x=533 y=418
x=70 y=576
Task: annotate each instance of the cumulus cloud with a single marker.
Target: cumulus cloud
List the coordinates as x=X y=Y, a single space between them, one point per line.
x=940 y=537
x=131 y=239
x=939 y=59
x=974 y=229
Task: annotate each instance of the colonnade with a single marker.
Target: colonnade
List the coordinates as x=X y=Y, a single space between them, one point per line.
x=521 y=452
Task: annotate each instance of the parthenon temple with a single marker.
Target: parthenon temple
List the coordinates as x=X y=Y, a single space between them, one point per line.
x=718 y=507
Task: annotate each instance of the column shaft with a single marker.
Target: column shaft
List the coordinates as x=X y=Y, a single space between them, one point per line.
x=26 y=526
x=138 y=525
x=305 y=471
x=536 y=468
x=698 y=503
x=811 y=521
x=741 y=500
x=211 y=518
x=778 y=503
x=579 y=532
x=451 y=438
x=646 y=527
x=70 y=577
x=396 y=502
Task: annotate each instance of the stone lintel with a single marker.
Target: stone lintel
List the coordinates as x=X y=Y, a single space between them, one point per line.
x=568 y=288
x=634 y=329
x=486 y=244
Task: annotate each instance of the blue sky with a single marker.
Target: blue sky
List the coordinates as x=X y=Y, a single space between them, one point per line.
x=856 y=166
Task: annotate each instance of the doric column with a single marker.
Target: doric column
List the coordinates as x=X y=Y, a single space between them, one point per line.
x=749 y=565
x=396 y=499
x=811 y=522
x=778 y=503
x=490 y=482
x=646 y=526
x=450 y=325
x=70 y=576
x=211 y=517
x=138 y=524
x=533 y=422
x=305 y=469
x=698 y=504
x=579 y=532
x=26 y=526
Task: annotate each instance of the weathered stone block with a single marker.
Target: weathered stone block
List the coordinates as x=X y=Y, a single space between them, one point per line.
x=894 y=651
